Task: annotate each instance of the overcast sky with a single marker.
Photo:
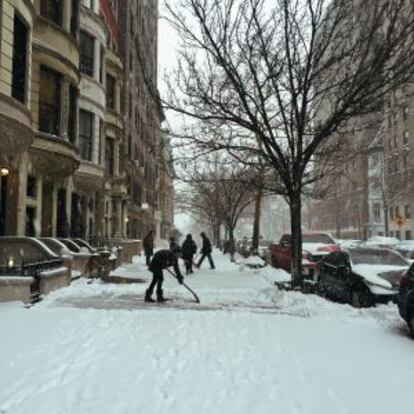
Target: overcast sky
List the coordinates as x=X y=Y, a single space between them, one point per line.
x=167 y=46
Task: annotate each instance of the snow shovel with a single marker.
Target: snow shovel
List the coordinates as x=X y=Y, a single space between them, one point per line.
x=188 y=288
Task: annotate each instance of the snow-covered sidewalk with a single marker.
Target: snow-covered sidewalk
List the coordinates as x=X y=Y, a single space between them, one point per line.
x=247 y=348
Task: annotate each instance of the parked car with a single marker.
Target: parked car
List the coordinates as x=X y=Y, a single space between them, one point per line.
x=314 y=247
x=406 y=248
x=406 y=298
x=84 y=243
x=347 y=243
x=263 y=248
x=362 y=276
x=382 y=241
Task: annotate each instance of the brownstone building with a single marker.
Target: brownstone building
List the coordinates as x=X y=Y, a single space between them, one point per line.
x=80 y=121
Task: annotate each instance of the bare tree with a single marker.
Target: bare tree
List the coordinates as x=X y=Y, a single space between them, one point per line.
x=277 y=79
x=218 y=193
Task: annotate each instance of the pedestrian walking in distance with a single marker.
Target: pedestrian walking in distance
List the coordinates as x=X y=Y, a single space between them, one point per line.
x=149 y=246
x=173 y=243
x=160 y=261
x=188 y=250
x=205 y=251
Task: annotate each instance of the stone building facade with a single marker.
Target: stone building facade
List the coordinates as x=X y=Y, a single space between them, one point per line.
x=17 y=19
x=142 y=152
x=72 y=156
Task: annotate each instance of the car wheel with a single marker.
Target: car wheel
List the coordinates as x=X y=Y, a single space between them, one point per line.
x=355 y=299
x=361 y=298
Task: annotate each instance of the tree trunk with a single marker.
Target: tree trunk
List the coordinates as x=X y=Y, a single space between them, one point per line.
x=386 y=223
x=295 y=203
x=256 y=221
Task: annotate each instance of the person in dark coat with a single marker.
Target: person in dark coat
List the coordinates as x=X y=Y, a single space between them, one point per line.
x=188 y=250
x=148 y=246
x=160 y=261
x=206 y=251
x=173 y=242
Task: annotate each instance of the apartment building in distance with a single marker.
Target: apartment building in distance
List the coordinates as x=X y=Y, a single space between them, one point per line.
x=143 y=115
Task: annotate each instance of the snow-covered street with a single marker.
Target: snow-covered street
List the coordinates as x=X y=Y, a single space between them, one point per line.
x=247 y=348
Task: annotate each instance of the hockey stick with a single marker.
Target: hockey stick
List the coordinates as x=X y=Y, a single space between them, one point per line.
x=188 y=288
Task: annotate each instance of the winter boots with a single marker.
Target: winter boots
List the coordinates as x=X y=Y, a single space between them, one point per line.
x=160 y=296
x=148 y=297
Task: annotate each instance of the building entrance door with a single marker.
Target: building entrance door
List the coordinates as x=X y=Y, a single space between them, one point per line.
x=3 y=204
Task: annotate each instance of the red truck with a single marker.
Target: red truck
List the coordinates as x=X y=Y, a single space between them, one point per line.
x=314 y=247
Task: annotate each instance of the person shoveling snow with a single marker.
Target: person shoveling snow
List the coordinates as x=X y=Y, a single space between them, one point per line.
x=163 y=259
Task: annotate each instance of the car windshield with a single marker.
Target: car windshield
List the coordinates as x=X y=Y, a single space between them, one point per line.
x=317 y=238
x=70 y=245
x=377 y=257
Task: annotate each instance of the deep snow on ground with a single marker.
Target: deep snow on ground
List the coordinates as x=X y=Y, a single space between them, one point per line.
x=247 y=348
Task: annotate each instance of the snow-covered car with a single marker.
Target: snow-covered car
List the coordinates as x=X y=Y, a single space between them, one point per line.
x=263 y=248
x=318 y=245
x=348 y=244
x=314 y=247
x=406 y=298
x=362 y=276
x=406 y=248
x=382 y=241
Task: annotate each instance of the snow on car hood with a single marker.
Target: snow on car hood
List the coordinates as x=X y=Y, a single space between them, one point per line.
x=371 y=273
x=313 y=248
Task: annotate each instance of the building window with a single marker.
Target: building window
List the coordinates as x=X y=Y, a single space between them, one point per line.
x=391 y=213
x=137 y=195
x=52 y=10
x=109 y=156
x=72 y=116
x=74 y=20
x=49 y=101
x=101 y=63
x=86 y=120
x=129 y=145
x=101 y=137
x=87 y=52
x=377 y=211
x=110 y=91
x=397 y=211
x=398 y=234
x=20 y=37
x=31 y=186
x=408 y=235
x=407 y=211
